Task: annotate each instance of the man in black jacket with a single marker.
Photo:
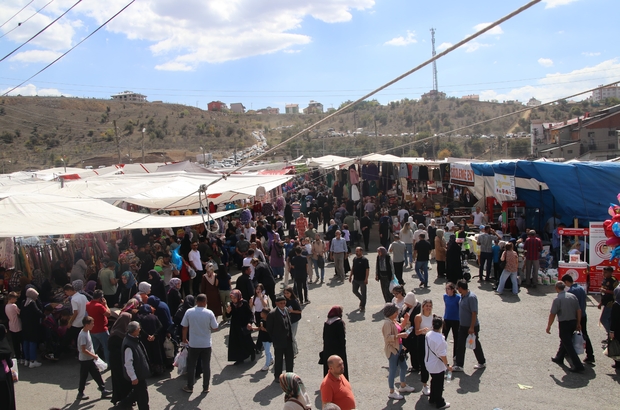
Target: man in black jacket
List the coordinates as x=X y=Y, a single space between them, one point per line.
x=244 y=283
x=135 y=367
x=278 y=326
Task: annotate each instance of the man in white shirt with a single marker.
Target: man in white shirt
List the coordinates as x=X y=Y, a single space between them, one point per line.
x=416 y=234
x=198 y=322
x=78 y=305
x=248 y=231
x=478 y=215
x=402 y=214
x=196 y=263
x=436 y=363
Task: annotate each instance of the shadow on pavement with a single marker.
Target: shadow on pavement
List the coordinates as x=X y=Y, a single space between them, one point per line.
x=468 y=383
x=573 y=380
x=355 y=316
x=265 y=396
x=178 y=399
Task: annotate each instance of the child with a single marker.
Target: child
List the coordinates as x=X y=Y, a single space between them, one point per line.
x=87 y=359
x=264 y=338
x=15 y=326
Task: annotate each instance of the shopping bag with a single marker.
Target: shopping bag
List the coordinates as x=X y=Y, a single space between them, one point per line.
x=578 y=342
x=613 y=350
x=470 y=342
x=180 y=362
x=101 y=365
x=169 y=348
x=15 y=371
x=393 y=283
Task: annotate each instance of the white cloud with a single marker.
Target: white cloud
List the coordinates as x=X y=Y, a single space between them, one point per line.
x=444 y=46
x=591 y=54
x=474 y=45
x=32 y=90
x=403 y=41
x=292 y=51
x=173 y=66
x=560 y=85
x=545 y=62
x=497 y=30
x=35 y=56
x=555 y=3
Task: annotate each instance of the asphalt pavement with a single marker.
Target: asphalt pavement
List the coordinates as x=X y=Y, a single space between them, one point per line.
x=519 y=372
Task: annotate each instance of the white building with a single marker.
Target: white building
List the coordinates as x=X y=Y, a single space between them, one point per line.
x=613 y=91
x=129 y=96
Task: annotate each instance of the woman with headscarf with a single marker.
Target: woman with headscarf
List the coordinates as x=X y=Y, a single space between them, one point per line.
x=149 y=336
x=280 y=229
x=188 y=303
x=132 y=307
x=174 y=294
x=209 y=286
x=334 y=339
x=454 y=269
x=59 y=274
x=31 y=316
x=276 y=256
x=384 y=272
x=127 y=287
x=7 y=389
x=79 y=269
x=440 y=253
x=295 y=396
x=157 y=285
x=120 y=385
x=392 y=337
x=144 y=291
x=614 y=322
x=240 y=344
x=89 y=289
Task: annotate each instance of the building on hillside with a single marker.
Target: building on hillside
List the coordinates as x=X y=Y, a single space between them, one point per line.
x=237 y=108
x=268 y=110
x=291 y=109
x=434 y=95
x=613 y=91
x=314 y=107
x=471 y=97
x=533 y=102
x=129 y=96
x=597 y=135
x=217 y=106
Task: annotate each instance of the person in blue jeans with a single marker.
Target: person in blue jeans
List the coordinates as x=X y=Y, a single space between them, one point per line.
x=421 y=253
x=485 y=242
x=392 y=336
x=264 y=338
x=497 y=250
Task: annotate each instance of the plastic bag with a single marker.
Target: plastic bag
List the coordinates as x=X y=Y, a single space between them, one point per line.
x=613 y=350
x=101 y=365
x=180 y=362
x=191 y=272
x=578 y=342
x=169 y=348
x=393 y=283
x=15 y=371
x=470 y=342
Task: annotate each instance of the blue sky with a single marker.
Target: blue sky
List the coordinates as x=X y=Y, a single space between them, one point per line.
x=273 y=52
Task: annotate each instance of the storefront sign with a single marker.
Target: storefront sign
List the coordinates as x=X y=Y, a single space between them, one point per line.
x=599 y=256
x=505 y=185
x=461 y=174
x=576 y=231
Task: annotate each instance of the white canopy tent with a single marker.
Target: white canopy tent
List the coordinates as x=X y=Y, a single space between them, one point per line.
x=38 y=214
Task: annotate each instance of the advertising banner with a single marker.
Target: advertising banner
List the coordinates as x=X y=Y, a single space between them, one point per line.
x=461 y=174
x=505 y=185
x=599 y=257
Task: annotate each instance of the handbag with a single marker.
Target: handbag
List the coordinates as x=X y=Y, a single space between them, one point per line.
x=321 y=262
x=613 y=350
x=402 y=355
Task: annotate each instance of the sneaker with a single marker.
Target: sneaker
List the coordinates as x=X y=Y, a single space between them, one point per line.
x=51 y=357
x=34 y=364
x=445 y=406
x=497 y=293
x=457 y=369
x=406 y=389
x=395 y=396
x=82 y=396
x=264 y=368
x=426 y=390
x=105 y=393
x=187 y=389
x=206 y=390
x=480 y=366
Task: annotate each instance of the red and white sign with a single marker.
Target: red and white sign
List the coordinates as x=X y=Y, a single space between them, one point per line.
x=599 y=256
x=461 y=174
x=575 y=231
x=578 y=271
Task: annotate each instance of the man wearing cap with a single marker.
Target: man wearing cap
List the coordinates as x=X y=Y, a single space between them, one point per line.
x=485 y=242
x=533 y=247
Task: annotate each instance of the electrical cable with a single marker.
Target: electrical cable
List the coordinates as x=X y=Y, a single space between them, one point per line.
x=31 y=16
x=40 y=31
x=71 y=49
x=20 y=10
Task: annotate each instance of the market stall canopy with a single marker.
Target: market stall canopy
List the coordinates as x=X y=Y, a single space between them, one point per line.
x=38 y=214
x=328 y=161
x=159 y=190
x=184 y=166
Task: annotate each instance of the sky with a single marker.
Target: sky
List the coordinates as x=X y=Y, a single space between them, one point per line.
x=276 y=52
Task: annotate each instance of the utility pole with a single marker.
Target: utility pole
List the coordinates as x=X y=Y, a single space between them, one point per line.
x=118 y=141
x=376 y=136
x=435 y=86
x=143 y=130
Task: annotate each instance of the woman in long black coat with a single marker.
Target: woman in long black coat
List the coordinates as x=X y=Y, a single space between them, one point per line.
x=149 y=336
x=454 y=269
x=7 y=389
x=240 y=344
x=121 y=387
x=334 y=339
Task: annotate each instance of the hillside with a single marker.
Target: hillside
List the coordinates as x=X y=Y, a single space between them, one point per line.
x=36 y=132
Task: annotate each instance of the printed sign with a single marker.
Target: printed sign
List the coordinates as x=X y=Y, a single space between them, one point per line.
x=505 y=185
x=599 y=256
x=576 y=231
x=461 y=174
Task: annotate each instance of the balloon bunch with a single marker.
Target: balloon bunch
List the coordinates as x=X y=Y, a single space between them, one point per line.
x=612 y=230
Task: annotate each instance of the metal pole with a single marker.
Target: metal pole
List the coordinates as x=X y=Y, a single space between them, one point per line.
x=143 y=130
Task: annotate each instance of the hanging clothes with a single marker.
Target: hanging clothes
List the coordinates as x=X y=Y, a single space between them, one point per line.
x=436 y=174
x=403 y=171
x=423 y=176
x=355 y=193
x=415 y=172
x=353 y=175
x=365 y=188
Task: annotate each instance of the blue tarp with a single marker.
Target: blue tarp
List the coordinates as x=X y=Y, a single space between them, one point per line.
x=581 y=190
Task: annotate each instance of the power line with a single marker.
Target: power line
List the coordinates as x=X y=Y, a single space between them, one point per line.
x=41 y=31
x=31 y=16
x=71 y=49
x=20 y=10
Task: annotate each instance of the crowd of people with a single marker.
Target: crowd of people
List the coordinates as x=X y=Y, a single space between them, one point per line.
x=170 y=290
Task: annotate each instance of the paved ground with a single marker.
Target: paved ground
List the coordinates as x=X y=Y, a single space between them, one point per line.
x=517 y=349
